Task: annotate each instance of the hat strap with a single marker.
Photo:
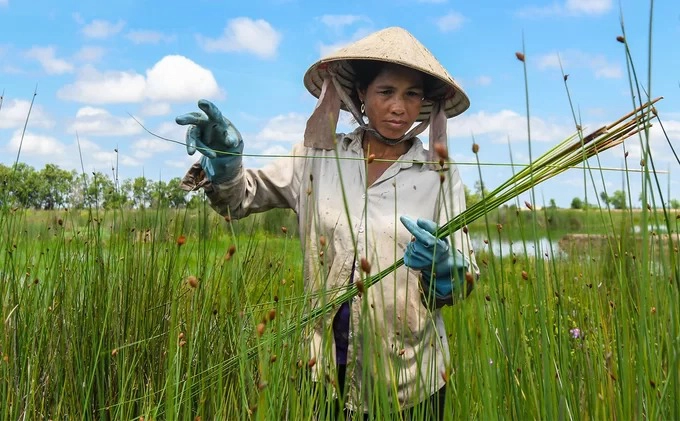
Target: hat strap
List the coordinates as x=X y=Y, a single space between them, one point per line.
x=321 y=125
x=438 y=135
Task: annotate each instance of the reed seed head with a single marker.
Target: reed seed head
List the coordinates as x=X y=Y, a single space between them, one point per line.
x=371 y=158
x=182 y=343
x=499 y=227
x=465 y=229
x=284 y=230
x=272 y=359
x=192 y=281
x=625 y=155
x=520 y=56
x=528 y=205
x=566 y=76
x=475 y=148
x=653 y=310
x=180 y=336
x=442 y=178
x=642 y=162
x=181 y=240
x=227 y=218
x=365 y=265
x=525 y=275
x=621 y=39
x=322 y=241
x=260 y=329
x=114 y=352
x=271 y=315
x=230 y=252
x=360 y=286
x=311 y=363
x=469 y=277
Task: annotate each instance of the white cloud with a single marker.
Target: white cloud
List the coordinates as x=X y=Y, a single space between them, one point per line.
x=504 y=125
x=90 y=54
x=46 y=56
x=171 y=130
x=11 y=70
x=101 y=29
x=244 y=35
x=575 y=59
x=450 y=22
x=589 y=7
x=14 y=112
x=99 y=122
x=483 y=80
x=109 y=87
x=149 y=147
x=338 y=21
x=288 y=128
x=143 y=36
x=35 y=144
x=325 y=49
x=173 y=78
x=176 y=78
x=156 y=109
x=569 y=8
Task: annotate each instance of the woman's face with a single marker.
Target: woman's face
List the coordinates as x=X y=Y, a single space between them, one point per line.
x=392 y=101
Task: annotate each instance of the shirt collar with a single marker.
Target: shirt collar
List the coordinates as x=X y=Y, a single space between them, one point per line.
x=415 y=154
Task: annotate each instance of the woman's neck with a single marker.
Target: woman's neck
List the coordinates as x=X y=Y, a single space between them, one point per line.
x=373 y=146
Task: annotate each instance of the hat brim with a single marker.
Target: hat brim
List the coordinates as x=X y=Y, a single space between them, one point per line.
x=444 y=87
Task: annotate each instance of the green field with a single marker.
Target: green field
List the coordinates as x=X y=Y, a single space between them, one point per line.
x=100 y=320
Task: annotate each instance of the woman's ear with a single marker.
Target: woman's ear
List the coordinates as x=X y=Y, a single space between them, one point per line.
x=361 y=93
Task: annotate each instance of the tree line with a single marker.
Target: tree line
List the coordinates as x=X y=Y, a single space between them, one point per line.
x=52 y=187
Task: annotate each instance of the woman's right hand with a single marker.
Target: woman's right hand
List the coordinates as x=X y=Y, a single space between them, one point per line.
x=216 y=138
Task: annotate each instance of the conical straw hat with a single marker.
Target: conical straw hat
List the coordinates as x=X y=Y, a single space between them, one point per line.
x=393 y=45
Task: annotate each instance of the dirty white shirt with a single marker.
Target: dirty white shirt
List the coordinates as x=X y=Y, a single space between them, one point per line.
x=397 y=343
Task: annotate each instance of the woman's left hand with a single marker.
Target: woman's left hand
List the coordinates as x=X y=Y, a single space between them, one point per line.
x=439 y=264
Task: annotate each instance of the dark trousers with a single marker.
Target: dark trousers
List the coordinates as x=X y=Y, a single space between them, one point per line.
x=430 y=409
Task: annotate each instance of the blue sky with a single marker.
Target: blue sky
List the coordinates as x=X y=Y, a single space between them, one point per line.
x=96 y=63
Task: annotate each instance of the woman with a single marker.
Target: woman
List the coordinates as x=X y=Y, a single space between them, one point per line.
x=371 y=196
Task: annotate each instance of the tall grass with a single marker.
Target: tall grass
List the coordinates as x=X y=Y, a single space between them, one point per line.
x=161 y=314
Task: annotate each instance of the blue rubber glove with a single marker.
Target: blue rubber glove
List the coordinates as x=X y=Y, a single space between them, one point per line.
x=427 y=252
x=216 y=138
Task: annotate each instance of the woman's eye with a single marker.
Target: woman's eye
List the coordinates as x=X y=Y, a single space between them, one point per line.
x=415 y=94
x=385 y=92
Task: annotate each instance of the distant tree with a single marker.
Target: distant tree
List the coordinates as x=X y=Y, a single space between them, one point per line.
x=618 y=200
x=177 y=197
x=54 y=186
x=24 y=186
x=96 y=189
x=141 y=192
x=675 y=203
x=604 y=197
x=553 y=204
x=577 y=203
